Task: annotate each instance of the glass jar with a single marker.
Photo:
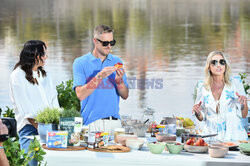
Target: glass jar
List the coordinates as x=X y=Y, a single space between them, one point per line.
x=118 y=131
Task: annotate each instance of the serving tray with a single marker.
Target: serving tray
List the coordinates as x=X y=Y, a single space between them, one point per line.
x=69 y=148
x=111 y=149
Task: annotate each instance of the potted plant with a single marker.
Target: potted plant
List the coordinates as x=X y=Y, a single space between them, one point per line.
x=67 y=97
x=48 y=120
x=71 y=121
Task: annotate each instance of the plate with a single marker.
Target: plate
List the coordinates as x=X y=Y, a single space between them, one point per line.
x=189 y=127
x=233 y=146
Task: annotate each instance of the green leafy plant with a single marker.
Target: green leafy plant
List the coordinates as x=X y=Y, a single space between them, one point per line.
x=49 y=115
x=66 y=96
x=16 y=156
x=8 y=113
x=70 y=113
x=243 y=77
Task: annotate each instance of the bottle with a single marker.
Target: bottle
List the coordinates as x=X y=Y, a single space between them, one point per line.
x=153 y=129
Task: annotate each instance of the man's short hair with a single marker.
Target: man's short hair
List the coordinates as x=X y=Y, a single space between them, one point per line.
x=100 y=29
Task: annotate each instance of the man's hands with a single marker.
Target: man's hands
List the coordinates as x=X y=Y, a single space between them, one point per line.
x=119 y=74
x=107 y=71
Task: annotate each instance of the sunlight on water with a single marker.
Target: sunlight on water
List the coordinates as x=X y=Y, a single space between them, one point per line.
x=166 y=40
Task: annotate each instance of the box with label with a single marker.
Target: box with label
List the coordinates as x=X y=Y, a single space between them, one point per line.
x=72 y=125
x=57 y=139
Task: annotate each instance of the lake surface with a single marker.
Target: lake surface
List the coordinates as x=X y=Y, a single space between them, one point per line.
x=164 y=40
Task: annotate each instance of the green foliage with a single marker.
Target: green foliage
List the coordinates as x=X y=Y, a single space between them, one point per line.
x=16 y=156
x=67 y=96
x=243 y=77
x=70 y=113
x=8 y=113
x=49 y=115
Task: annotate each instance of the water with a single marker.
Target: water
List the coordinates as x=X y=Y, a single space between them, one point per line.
x=165 y=40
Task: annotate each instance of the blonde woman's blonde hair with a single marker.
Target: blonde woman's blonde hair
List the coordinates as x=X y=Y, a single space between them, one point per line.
x=208 y=75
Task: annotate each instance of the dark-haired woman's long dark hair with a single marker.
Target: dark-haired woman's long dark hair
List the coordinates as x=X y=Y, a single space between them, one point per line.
x=32 y=52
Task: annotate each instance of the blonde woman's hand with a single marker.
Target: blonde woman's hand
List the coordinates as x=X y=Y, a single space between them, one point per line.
x=197 y=109
x=241 y=99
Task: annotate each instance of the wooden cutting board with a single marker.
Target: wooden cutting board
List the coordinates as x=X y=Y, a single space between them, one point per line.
x=69 y=148
x=111 y=149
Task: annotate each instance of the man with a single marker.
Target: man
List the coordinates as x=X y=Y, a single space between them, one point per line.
x=98 y=83
x=3 y=158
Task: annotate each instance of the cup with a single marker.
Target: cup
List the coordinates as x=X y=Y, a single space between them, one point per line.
x=172 y=128
x=118 y=131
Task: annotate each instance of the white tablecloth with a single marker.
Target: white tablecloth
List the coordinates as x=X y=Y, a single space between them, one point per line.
x=142 y=157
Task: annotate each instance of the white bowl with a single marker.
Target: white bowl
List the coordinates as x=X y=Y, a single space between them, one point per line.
x=217 y=152
x=196 y=149
x=220 y=145
x=135 y=144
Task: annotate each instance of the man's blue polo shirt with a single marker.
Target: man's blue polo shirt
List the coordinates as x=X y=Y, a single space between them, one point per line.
x=104 y=101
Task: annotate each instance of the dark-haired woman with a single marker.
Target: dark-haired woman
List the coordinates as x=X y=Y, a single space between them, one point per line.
x=31 y=90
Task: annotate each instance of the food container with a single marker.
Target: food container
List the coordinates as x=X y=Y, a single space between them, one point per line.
x=165 y=137
x=122 y=138
x=118 y=131
x=140 y=129
x=217 y=152
x=135 y=144
x=75 y=139
x=171 y=128
x=156 y=148
x=179 y=131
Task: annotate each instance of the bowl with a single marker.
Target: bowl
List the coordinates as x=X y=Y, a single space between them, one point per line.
x=156 y=148
x=196 y=149
x=217 y=152
x=135 y=144
x=165 y=137
x=175 y=148
x=122 y=138
x=169 y=142
x=220 y=145
x=245 y=147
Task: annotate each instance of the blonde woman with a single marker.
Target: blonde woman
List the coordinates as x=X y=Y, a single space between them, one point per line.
x=221 y=101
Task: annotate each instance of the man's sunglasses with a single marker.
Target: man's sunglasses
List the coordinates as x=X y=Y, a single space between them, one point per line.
x=215 y=62
x=106 y=43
